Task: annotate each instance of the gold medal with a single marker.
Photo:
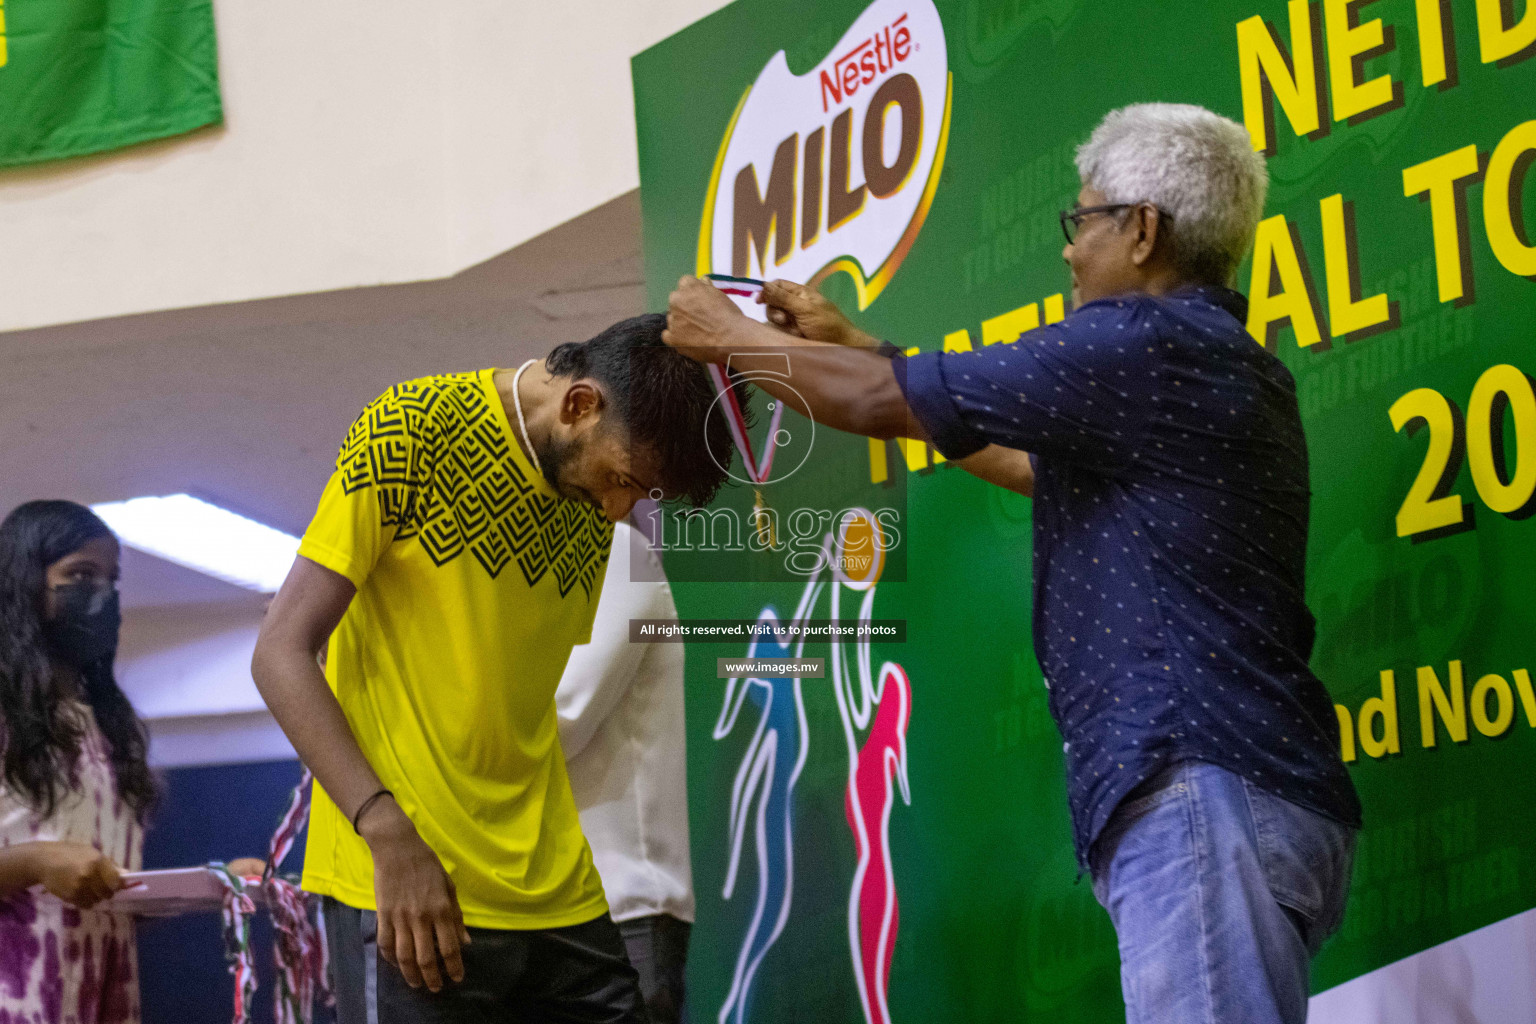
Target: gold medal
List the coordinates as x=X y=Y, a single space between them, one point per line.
x=763 y=520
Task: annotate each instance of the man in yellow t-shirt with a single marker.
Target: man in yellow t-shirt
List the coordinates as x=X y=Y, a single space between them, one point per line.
x=456 y=557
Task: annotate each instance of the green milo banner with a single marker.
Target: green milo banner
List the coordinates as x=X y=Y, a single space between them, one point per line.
x=890 y=842
x=82 y=76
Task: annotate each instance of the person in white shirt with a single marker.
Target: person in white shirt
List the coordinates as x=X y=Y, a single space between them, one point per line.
x=621 y=726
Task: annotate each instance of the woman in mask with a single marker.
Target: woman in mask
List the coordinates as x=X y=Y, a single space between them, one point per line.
x=74 y=782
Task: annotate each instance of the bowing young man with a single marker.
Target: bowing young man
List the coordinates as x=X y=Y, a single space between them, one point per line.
x=455 y=559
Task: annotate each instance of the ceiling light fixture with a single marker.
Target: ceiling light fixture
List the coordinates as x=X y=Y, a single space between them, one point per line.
x=212 y=540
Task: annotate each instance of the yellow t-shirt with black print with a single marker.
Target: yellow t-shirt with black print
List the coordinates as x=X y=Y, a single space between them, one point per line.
x=474 y=580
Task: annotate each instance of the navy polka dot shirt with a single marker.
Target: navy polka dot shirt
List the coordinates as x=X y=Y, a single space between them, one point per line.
x=1170 y=529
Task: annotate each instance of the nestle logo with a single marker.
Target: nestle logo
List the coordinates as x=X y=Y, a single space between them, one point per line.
x=866 y=62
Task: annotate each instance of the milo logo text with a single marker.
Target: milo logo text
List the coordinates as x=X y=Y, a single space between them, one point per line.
x=834 y=170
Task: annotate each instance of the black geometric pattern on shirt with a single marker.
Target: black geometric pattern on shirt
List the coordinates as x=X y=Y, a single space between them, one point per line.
x=435 y=452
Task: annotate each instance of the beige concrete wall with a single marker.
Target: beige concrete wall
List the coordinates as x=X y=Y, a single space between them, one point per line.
x=365 y=143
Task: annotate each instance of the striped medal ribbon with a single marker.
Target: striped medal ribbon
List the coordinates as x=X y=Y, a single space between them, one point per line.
x=758 y=467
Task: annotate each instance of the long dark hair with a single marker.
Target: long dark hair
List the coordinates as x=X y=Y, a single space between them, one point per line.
x=41 y=740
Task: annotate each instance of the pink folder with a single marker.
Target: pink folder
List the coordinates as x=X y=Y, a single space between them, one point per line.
x=169 y=892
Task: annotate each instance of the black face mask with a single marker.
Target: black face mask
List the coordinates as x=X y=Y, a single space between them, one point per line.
x=84 y=627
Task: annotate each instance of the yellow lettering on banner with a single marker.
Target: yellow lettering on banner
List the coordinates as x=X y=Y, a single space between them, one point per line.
x=1497 y=42
x=1451 y=707
x=1500 y=388
x=1264 y=73
x=916 y=453
x=1276 y=249
x=1384 y=708
x=1499 y=724
x=1341 y=266
x=1502 y=187
x=1435 y=58
x=1527 y=696
x=1439 y=178
x=4 y=49
x=1421 y=510
x=957 y=341
x=1008 y=327
x=1055 y=309
x=1346 y=733
x=879 y=470
x=1349 y=46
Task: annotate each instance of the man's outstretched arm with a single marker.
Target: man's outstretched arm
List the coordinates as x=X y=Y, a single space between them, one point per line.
x=849 y=388
x=838 y=374
x=801 y=310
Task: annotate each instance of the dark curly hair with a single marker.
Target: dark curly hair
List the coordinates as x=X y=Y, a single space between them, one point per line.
x=41 y=751
x=665 y=400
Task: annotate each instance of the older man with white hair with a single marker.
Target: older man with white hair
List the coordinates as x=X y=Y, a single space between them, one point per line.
x=1169 y=472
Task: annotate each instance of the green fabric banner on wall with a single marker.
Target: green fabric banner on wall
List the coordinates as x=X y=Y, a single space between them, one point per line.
x=890 y=843
x=83 y=76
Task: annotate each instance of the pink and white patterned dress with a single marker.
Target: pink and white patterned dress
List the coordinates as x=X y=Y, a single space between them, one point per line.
x=59 y=964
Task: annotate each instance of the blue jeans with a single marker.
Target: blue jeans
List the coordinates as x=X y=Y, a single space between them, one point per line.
x=1220 y=893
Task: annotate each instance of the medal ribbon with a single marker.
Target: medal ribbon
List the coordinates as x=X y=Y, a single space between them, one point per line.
x=757 y=468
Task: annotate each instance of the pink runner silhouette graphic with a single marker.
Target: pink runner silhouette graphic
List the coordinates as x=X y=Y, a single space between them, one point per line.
x=881 y=766
x=877 y=767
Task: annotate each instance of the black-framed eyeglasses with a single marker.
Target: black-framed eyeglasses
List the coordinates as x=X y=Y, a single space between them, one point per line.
x=1071 y=219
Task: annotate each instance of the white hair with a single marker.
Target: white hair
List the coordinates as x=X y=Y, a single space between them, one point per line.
x=1194 y=165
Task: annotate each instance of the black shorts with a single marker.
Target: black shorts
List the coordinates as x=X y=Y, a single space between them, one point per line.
x=658 y=947
x=579 y=974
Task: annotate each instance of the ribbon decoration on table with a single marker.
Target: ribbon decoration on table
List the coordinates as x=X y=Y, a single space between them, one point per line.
x=237 y=911
x=757 y=467
x=299 y=944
